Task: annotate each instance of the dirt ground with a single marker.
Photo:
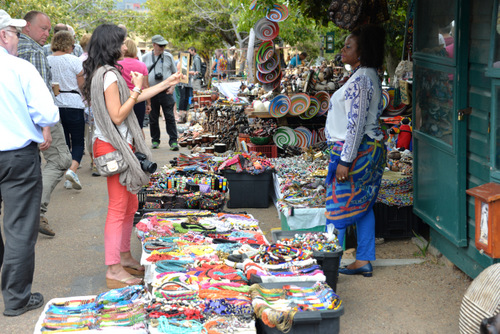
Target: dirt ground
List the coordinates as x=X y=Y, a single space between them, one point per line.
x=421 y=298
x=417 y=298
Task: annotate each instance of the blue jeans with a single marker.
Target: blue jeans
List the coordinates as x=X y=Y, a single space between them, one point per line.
x=73 y=122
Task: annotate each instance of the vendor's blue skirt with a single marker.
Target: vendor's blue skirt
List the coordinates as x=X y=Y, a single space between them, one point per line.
x=347 y=202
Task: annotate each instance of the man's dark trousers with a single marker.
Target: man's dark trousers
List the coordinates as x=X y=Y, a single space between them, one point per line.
x=167 y=103
x=21 y=189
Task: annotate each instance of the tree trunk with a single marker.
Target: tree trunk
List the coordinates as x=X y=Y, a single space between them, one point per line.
x=391 y=62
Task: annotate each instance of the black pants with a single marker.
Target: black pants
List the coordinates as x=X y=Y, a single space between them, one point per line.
x=140 y=112
x=21 y=189
x=185 y=94
x=73 y=123
x=167 y=103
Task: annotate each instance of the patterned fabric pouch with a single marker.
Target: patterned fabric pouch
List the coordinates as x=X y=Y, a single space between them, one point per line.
x=193 y=200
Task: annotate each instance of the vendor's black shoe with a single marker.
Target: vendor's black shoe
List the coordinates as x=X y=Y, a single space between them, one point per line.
x=366 y=271
x=36 y=301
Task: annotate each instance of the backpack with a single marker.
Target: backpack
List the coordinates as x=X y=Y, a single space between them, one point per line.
x=203 y=69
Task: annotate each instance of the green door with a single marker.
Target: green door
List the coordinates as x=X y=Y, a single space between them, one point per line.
x=440 y=97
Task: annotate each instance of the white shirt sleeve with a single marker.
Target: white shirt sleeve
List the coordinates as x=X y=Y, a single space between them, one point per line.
x=357 y=99
x=109 y=78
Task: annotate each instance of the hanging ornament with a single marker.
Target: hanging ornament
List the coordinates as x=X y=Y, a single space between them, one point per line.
x=266 y=30
x=278 y=13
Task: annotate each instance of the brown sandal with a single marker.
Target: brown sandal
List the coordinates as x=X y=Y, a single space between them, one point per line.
x=117 y=284
x=134 y=271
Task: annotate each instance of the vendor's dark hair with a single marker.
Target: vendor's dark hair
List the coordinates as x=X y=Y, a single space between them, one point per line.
x=371 y=40
x=192 y=48
x=104 y=48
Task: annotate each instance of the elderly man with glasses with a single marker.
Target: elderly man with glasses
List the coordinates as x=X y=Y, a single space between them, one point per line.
x=26 y=107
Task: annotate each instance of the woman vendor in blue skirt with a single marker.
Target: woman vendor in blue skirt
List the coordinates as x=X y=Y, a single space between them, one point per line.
x=357 y=152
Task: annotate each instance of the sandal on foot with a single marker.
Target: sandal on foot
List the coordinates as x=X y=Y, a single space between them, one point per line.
x=117 y=284
x=132 y=270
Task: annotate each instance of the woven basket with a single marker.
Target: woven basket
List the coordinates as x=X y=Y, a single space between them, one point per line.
x=481 y=300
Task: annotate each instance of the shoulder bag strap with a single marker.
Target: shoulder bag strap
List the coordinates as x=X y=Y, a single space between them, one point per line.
x=152 y=56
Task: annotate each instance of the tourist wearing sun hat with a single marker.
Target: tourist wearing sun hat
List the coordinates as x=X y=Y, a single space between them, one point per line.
x=161 y=66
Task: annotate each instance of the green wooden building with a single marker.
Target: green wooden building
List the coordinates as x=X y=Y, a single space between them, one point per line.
x=456 y=89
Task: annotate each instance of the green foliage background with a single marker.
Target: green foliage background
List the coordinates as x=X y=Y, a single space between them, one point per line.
x=212 y=24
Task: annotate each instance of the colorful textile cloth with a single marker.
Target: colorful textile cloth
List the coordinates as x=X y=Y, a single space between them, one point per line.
x=396 y=191
x=347 y=202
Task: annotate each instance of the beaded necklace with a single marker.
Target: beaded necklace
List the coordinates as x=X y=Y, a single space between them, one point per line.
x=223 y=325
x=180 y=327
x=172 y=265
x=150 y=246
x=278 y=254
x=228 y=247
x=202 y=250
x=176 y=291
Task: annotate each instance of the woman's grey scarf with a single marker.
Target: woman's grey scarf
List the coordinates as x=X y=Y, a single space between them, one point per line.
x=134 y=177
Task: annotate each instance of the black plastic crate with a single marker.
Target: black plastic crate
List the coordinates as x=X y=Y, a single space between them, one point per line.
x=307 y=322
x=248 y=190
x=142 y=196
x=392 y=222
x=329 y=261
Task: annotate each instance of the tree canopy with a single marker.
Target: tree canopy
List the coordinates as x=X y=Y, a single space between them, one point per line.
x=212 y=24
x=82 y=15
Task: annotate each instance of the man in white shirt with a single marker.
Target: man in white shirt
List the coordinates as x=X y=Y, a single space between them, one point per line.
x=25 y=107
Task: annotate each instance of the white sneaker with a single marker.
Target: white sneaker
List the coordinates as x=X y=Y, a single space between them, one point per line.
x=67 y=184
x=73 y=178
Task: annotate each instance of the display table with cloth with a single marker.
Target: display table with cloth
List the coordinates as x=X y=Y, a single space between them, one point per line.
x=298 y=218
x=229 y=89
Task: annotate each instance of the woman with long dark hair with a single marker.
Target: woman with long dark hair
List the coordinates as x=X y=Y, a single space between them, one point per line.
x=357 y=157
x=117 y=129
